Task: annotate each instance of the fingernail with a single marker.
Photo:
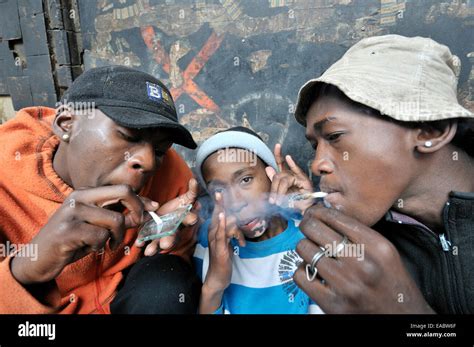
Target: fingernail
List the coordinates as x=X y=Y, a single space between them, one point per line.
x=154 y=204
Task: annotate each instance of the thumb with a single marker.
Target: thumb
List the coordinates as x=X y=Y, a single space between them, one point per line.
x=192 y=193
x=149 y=205
x=270 y=172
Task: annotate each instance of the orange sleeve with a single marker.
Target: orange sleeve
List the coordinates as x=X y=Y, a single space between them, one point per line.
x=170 y=182
x=14 y=298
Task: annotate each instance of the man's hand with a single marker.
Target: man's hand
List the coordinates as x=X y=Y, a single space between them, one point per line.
x=83 y=224
x=168 y=242
x=374 y=281
x=219 y=274
x=289 y=179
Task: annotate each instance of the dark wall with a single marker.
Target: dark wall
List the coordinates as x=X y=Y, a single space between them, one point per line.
x=39 y=50
x=228 y=62
x=242 y=62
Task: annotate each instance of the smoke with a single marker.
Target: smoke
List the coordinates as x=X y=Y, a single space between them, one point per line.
x=267 y=210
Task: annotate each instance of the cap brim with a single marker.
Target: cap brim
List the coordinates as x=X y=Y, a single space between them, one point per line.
x=305 y=99
x=135 y=118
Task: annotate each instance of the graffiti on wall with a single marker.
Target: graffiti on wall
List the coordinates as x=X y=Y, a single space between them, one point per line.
x=241 y=62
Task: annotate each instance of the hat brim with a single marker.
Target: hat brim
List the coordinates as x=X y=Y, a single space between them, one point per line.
x=135 y=118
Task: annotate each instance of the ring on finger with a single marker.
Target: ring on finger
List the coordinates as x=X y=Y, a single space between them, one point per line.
x=339 y=247
x=311 y=270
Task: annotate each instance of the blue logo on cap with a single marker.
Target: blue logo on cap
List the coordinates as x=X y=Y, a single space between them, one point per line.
x=154 y=91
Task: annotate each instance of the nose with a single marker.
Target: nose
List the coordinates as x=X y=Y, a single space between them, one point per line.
x=143 y=159
x=321 y=165
x=234 y=200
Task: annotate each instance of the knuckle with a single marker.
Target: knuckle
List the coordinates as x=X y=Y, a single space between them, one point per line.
x=331 y=212
x=310 y=224
x=118 y=220
x=74 y=195
x=299 y=277
x=63 y=248
x=75 y=213
x=385 y=251
x=125 y=189
x=101 y=236
x=276 y=178
x=310 y=213
x=303 y=246
x=354 y=293
x=62 y=229
x=370 y=273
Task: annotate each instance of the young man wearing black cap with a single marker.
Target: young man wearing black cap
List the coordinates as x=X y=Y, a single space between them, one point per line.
x=75 y=183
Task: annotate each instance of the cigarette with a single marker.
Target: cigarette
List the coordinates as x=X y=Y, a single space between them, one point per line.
x=306 y=196
x=319 y=194
x=155 y=217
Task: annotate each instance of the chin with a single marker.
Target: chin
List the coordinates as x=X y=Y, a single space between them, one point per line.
x=365 y=217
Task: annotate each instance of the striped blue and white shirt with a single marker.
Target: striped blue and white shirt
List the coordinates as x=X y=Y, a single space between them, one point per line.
x=262 y=275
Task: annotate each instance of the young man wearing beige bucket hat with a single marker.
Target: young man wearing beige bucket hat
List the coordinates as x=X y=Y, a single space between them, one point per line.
x=394 y=150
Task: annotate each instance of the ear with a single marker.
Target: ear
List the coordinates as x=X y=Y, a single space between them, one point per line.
x=432 y=137
x=62 y=125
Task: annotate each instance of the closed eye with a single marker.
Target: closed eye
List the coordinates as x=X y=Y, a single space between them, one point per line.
x=334 y=136
x=128 y=137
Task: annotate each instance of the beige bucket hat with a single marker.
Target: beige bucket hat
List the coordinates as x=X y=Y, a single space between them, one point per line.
x=409 y=79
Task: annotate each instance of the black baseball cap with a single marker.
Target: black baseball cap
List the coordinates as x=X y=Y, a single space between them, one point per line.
x=131 y=98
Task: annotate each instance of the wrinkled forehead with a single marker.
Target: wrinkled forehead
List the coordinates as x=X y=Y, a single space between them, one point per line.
x=328 y=109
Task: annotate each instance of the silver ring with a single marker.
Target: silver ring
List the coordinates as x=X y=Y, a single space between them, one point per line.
x=317 y=256
x=340 y=246
x=311 y=270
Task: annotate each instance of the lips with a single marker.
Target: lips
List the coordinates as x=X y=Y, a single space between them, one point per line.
x=248 y=221
x=249 y=224
x=136 y=188
x=334 y=197
x=328 y=190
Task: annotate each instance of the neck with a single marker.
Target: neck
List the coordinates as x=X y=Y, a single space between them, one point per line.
x=276 y=225
x=426 y=198
x=60 y=164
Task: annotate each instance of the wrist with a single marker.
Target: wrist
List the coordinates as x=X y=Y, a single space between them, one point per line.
x=211 y=289
x=17 y=269
x=211 y=299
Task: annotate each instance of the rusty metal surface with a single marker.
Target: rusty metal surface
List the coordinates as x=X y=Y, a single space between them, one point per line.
x=241 y=62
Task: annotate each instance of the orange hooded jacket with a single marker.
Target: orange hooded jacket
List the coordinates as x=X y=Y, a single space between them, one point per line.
x=31 y=191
